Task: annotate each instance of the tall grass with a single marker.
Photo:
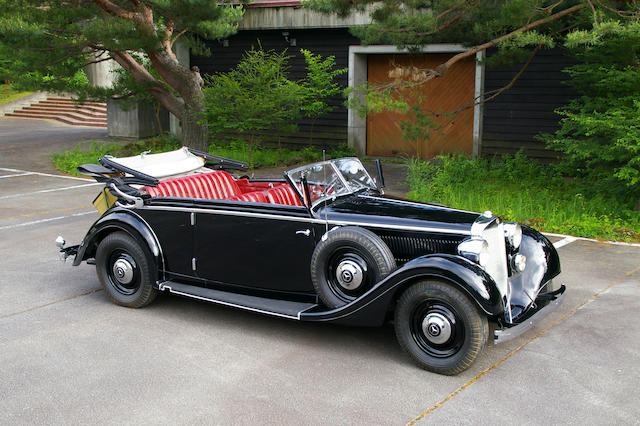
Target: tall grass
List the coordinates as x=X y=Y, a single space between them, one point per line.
x=519 y=189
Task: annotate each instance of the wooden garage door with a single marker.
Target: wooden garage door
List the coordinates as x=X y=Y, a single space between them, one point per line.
x=440 y=95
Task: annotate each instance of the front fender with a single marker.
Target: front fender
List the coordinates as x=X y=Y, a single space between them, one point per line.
x=119 y=220
x=371 y=308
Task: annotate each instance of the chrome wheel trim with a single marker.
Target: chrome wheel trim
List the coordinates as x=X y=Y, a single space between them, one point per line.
x=436 y=328
x=123 y=271
x=349 y=274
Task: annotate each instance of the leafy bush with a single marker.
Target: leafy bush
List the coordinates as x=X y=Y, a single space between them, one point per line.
x=600 y=133
x=257 y=96
x=519 y=189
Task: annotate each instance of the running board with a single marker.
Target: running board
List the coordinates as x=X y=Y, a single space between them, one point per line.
x=263 y=305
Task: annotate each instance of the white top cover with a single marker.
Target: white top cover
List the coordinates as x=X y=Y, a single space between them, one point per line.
x=164 y=164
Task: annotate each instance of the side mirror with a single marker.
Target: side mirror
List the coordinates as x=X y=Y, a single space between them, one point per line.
x=380 y=178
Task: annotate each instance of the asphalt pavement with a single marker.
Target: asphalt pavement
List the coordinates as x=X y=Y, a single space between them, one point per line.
x=68 y=355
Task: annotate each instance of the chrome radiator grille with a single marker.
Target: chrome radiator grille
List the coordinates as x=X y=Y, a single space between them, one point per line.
x=493 y=234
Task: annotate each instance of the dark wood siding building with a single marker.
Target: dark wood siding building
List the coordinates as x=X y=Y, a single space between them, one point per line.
x=514 y=118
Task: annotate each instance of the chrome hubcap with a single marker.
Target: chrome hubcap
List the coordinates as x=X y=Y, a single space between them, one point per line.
x=436 y=328
x=349 y=274
x=123 y=271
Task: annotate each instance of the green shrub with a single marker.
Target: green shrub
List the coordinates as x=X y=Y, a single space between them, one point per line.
x=519 y=189
x=600 y=130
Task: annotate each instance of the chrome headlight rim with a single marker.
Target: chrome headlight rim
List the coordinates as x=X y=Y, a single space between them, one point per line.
x=513 y=234
x=476 y=250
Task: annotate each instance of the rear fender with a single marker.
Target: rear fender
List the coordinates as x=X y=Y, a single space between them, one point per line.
x=371 y=308
x=120 y=220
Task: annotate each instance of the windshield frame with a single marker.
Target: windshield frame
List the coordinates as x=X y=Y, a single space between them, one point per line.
x=348 y=188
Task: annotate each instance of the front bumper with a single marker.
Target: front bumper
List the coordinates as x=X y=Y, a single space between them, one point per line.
x=509 y=333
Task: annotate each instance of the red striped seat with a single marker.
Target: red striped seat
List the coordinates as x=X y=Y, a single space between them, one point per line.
x=214 y=185
x=253 y=197
x=282 y=194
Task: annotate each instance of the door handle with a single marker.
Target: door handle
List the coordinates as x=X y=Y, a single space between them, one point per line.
x=305 y=232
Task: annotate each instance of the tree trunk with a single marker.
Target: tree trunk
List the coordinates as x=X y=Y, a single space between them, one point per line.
x=194 y=134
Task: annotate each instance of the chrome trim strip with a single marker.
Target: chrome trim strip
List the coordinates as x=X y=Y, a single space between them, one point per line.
x=162 y=287
x=310 y=220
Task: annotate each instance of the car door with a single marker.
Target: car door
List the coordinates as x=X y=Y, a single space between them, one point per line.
x=257 y=245
x=170 y=221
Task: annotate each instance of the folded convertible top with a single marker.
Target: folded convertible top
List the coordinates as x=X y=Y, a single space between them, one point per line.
x=164 y=164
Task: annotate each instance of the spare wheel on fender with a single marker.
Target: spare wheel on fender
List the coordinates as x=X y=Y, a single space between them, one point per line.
x=347 y=262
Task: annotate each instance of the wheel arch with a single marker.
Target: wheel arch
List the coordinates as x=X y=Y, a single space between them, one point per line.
x=372 y=308
x=125 y=221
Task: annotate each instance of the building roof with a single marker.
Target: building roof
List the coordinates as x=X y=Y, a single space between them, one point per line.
x=275 y=3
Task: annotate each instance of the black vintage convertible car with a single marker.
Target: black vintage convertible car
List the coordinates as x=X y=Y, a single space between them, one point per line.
x=322 y=244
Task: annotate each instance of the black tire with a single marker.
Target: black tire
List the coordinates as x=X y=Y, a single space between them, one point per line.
x=440 y=327
x=347 y=262
x=125 y=270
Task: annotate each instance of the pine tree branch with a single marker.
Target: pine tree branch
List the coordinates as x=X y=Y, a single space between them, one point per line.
x=115 y=10
x=442 y=69
x=445 y=25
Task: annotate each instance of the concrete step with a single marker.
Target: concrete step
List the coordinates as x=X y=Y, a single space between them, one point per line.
x=55 y=109
x=56 y=104
x=74 y=101
x=64 y=118
x=66 y=110
x=71 y=114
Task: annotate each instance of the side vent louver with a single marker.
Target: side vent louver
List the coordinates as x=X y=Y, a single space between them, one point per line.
x=405 y=248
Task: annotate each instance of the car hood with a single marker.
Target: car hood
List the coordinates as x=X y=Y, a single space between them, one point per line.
x=367 y=209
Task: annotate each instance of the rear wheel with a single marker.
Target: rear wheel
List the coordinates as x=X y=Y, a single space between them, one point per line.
x=125 y=270
x=440 y=327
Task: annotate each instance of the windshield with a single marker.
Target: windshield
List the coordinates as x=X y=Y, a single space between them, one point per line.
x=332 y=178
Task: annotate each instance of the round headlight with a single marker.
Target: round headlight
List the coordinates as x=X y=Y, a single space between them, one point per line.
x=513 y=234
x=519 y=262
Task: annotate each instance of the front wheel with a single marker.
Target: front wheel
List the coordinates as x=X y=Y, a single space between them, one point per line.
x=440 y=327
x=125 y=270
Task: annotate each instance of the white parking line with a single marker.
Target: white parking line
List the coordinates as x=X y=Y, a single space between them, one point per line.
x=46 y=174
x=16 y=175
x=35 y=222
x=563 y=242
x=50 y=190
x=593 y=240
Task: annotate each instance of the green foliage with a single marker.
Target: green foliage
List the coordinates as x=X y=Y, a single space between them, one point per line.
x=257 y=96
x=600 y=133
x=254 y=97
x=57 y=38
x=8 y=93
x=319 y=83
x=519 y=189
